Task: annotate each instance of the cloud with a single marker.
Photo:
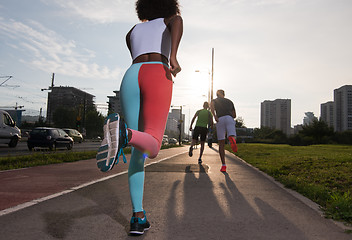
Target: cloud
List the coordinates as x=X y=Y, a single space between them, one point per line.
x=98 y=11
x=49 y=51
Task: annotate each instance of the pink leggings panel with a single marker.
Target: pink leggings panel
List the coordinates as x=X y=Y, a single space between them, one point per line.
x=155 y=85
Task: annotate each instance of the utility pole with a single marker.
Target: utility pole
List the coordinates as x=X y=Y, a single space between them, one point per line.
x=212 y=74
x=180 y=124
x=52 y=83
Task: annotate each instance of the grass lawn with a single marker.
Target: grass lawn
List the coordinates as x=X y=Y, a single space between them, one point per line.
x=323 y=173
x=47 y=157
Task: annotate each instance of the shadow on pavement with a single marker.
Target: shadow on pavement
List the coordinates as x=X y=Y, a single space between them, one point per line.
x=105 y=201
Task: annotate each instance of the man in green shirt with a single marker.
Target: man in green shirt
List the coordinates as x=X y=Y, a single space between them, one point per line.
x=205 y=120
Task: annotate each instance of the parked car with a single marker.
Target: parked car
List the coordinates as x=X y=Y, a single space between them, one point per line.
x=9 y=133
x=73 y=133
x=165 y=140
x=173 y=141
x=51 y=138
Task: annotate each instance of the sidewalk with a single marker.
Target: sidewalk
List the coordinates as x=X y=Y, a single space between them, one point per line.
x=183 y=200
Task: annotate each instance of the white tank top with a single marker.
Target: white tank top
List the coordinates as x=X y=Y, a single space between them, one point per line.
x=150 y=37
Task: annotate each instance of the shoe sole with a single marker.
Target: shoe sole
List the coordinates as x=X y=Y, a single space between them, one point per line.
x=138 y=232
x=106 y=156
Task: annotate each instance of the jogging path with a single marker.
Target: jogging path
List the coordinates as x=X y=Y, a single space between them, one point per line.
x=183 y=200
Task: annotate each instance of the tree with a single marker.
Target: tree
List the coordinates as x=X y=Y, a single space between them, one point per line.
x=269 y=135
x=64 y=118
x=94 y=123
x=319 y=131
x=240 y=122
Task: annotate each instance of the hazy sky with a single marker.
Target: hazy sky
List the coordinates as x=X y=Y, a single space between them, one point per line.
x=264 y=50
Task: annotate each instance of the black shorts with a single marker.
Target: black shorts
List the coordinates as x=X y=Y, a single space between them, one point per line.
x=202 y=131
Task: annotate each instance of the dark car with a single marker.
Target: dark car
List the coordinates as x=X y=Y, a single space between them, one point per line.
x=51 y=138
x=73 y=133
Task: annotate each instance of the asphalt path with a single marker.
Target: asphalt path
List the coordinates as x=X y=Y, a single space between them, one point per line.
x=183 y=200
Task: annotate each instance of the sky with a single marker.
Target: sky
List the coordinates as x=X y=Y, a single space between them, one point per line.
x=263 y=50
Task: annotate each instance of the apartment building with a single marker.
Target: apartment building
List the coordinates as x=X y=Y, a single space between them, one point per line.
x=68 y=98
x=343 y=108
x=114 y=103
x=276 y=114
x=327 y=113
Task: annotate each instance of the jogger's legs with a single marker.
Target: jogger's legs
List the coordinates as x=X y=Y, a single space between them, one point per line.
x=201 y=149
x=130 y=103
x=145 y=95
x=222 y=151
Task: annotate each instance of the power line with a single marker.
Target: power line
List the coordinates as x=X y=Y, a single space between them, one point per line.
x=5 y=85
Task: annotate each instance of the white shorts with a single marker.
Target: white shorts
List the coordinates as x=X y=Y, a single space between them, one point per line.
x=225 y=125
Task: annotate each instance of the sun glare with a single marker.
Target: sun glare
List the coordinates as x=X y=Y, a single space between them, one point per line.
x=200 y=83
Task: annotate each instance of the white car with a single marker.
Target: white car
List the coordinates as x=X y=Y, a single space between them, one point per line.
x=172 y=141
x=9 y=133
x=165 y=140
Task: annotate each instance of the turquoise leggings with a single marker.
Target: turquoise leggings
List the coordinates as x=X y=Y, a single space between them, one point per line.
x=145 y=95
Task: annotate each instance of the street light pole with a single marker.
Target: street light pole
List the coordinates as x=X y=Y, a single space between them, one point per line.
x=212 y=74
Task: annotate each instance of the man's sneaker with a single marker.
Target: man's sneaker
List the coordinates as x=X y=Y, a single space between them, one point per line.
x=190 y=153
x=114 y=140
x=223 y=169
x=233 y=143
x=199 y=161
x=138 y=225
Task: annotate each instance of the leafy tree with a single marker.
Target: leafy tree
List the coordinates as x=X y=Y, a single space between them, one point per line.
x=64 y=118
x=318 y=131
x=240 y=122
x=269 y=135
x=94 y=123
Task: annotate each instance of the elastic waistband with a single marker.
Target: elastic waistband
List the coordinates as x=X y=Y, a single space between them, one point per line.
x=156 y=62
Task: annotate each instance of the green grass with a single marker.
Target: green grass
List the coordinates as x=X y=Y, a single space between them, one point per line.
x=323 y=173
x=46 y=158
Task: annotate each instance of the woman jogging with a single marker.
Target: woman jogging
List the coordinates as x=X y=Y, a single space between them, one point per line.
x=145 y=95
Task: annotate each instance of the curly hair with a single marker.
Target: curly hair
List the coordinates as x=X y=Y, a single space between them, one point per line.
x=152 y=9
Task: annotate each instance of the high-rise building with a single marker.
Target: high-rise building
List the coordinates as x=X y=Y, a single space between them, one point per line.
x=68 y=98
x=114 y=103
x=343 y=108
x=173 y=121
x=276 y=114
x=309 y=118
x=327 y=113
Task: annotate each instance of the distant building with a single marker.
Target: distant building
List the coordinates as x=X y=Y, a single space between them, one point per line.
x=327 y=113
x=297 y=128
x=68 y=98
x=276 y=114
x=309 y=118
x=114 y=103
x=174 y=119
x=16 y=115
x=171 y=125
x=343 y=108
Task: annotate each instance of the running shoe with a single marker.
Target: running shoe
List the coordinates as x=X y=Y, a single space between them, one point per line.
x=200 y=161
x=223 y=169
x=114 y=140
x=233 y=143
x=139 y=225
x=190 y=153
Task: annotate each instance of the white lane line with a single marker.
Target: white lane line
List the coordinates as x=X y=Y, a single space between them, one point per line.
x=39 y=200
